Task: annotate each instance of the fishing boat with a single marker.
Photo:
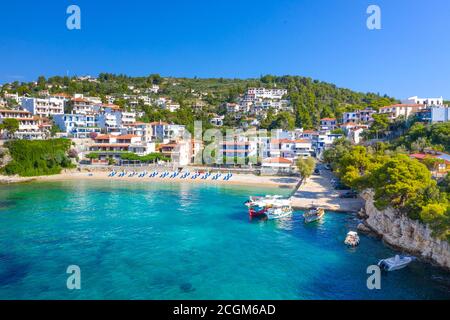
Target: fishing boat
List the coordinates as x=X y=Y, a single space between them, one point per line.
x=279 y=212
x=352 y=239
x=314 y=214
x=395 y=263
x=273 y=207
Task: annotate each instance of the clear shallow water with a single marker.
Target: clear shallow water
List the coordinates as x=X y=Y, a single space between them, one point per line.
x=182 y=241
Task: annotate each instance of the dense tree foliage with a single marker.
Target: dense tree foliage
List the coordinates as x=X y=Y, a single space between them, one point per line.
x=421 y=136
x=37 y=157
x=10 y=125
x=397 y=181
x=306 y=166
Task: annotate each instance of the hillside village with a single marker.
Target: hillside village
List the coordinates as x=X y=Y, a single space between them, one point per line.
x=154 y=115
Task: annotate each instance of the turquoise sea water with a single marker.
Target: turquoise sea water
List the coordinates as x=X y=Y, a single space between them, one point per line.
x=144 y=240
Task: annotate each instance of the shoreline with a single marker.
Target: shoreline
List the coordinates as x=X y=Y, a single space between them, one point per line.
x=237 y=179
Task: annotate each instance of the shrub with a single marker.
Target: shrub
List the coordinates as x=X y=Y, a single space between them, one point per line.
x=37 y=157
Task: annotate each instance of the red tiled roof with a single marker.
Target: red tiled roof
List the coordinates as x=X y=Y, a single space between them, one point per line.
x=302 y=141
x=277 y=160
x=279 y=141
x=102 y=137
x=79 y=100
x=127 y=136
x=109 y=145
x=62 y=94
x=14 y=111
x=158 y=122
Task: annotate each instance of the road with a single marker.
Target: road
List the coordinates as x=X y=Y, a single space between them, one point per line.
x=318 y=191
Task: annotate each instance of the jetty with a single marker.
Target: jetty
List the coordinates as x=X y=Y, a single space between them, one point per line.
x=318 y=191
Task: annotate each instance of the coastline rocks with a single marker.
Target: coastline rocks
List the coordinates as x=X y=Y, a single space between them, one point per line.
x=402 y=232
x=363 y=228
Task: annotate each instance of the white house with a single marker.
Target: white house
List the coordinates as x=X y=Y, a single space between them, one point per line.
x=425 y=101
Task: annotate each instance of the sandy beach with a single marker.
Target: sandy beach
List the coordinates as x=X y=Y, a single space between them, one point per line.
x=316 y=190
x=237 y=179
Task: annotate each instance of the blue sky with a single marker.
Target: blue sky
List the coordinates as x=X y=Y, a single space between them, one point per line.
x=323 y=39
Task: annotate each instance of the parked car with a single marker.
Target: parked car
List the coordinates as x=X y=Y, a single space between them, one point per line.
x=316 y=172
x=349 y=195
x=341 y=186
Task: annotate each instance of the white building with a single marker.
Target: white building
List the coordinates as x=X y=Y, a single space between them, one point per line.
x=77 y=125
x=263 y=93
x=350 y=117
x=153 y=89
x=425 y=101
x=43 y=107
x=440 y=114
x=328 y=123
x=276 y=165
x=28 y=124
x=397 y=110
x=217 y=121
x=291 y=149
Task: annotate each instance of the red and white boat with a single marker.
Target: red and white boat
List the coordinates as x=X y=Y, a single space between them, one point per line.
x=273 y=207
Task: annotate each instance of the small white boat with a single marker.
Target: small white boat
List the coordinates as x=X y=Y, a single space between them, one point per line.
x=313 y=214
x=273 y=207
x=352 y=239
x=395 y=263
x=279 y=212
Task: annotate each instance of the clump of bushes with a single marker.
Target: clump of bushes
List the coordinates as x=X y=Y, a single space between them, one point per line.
x=37 y=157
x=397 y=180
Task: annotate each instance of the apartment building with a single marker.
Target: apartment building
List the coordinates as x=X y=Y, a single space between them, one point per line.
x=113 y=146
x=43 y=107
x=78 y=125
x=239 y=150
x=397 y=110
x=328 y=123
x=180 y=152
x=291 y=149
x=424 y=101
x=263 y=93
x=29 y=124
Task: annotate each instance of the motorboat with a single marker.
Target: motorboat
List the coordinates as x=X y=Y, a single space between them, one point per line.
x=313 y=214
x=273 y=207
x=279 y=212
x=395 y=263
x=352 y=239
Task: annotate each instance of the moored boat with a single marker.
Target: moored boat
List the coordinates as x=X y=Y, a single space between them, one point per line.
x=314 y=214
x=352 y=239
x=395 y=263
x=273 y=207
x=279 y=212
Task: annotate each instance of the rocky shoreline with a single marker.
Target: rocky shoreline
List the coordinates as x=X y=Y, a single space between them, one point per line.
x=403 y=233
x=14 y=179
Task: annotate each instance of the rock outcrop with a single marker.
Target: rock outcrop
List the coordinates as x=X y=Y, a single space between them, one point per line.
x=406 y=234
